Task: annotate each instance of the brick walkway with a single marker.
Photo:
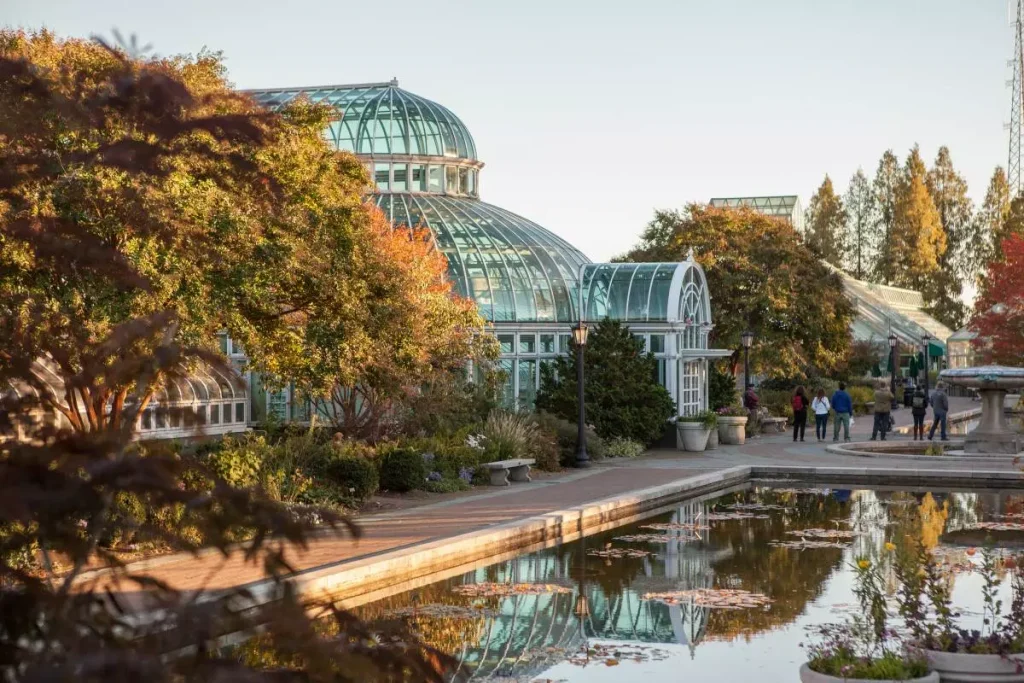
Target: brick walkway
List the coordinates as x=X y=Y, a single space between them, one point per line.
x=496 y=506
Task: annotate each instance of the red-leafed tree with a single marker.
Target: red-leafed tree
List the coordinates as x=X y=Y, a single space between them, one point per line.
x=999 y=317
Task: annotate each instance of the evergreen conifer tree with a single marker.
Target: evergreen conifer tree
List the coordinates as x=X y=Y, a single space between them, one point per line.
x=622 y=395
x=886 y=188
x=861 y=218
x=988 y=223
x=826 y=224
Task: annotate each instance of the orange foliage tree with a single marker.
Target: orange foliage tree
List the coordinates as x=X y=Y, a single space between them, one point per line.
x=412 y=329
x=999 y=316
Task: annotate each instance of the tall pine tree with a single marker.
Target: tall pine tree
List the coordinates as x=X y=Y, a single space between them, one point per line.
x=886 y=188
x=956 y=211
x=988 y=223
x=861 y=217
x=826 y=224
x=917 y=242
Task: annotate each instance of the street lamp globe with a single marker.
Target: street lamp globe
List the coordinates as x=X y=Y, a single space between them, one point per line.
x=747 y=338
x=893 y=339
x=579 y=334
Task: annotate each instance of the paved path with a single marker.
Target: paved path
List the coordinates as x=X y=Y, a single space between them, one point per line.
x=495 y=506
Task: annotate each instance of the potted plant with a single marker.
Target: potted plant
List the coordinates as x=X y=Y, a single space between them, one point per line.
x=864 y=647
x=693 y=431
x=732 y=425
x=994 y=653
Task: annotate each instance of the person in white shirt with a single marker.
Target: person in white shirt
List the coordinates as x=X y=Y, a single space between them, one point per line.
x=820 y=406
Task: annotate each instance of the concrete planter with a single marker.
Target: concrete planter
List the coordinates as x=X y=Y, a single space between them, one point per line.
x=692 y=436
x=712 y=439
x=958 y=667
x=808 y=676
x=732 y=430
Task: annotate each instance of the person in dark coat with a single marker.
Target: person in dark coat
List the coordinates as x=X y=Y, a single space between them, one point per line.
x=800 y=403
x=919 y=408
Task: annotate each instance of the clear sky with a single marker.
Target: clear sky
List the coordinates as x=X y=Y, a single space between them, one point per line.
x=590 y=114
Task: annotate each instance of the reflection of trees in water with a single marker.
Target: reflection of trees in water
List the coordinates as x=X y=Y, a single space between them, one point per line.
x=791 y=577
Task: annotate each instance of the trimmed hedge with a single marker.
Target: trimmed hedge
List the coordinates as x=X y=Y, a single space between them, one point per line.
x=402 y=470
x=354 y=476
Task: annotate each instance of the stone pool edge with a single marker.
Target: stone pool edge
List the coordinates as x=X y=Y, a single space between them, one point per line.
x=349 y=578
x=389 y=567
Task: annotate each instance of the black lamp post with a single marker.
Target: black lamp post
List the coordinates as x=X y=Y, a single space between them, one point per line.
x=747 y=338
x=927 y=339
x=579 y=334
x=893 y=344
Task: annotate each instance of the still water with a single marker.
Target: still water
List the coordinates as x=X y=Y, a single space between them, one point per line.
x=591 y=596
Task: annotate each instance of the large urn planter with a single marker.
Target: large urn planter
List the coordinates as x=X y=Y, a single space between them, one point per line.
x=732 y=429
x=809 y=676
x=692 y=436
x=960 y=667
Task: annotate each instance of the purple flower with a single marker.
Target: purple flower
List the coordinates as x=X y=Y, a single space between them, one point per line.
x=434 y=476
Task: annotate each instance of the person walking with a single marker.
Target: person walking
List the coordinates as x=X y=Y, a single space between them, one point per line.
x=820 y=405
x=918 y=408
x=800 y=404
x=940 y=409
x=842 y=404
x=883 y=408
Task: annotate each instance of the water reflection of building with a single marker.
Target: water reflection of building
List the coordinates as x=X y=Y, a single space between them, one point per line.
x=530 y=633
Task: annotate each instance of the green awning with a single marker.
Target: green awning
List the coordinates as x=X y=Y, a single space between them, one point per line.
x=936 y=349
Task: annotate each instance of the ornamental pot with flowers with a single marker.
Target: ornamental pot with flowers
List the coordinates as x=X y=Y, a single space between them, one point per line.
x=732 y=425
x=865 y=648
x=693 y=431
x=994 y=654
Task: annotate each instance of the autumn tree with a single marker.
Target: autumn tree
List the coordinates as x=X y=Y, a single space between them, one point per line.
x=948 y=190
x=918 y=243
x=762 y=277
x=258 y=235
x=60 y=485
x=412 y=331
x=1012 y=225
x=999 y=309
x=886 y=187
x=826 y=224
x=989 y=222
x=861 y=212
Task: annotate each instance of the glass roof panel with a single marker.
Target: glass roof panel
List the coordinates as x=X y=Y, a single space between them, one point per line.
x=514 y=269
x=381 y=118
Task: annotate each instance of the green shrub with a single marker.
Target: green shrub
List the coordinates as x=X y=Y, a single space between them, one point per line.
x=779 y=402
x=127 y=514
x=353 y=477
x=402 y=470
x=721 y=387
x=623 y=448
x=861 y=396
x=238 y=460
x=565 y=435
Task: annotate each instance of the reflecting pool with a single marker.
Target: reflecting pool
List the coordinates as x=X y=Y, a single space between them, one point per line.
x=586 y=618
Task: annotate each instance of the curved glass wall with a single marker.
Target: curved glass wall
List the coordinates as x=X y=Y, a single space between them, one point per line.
x=515 y=270
x=381 y=118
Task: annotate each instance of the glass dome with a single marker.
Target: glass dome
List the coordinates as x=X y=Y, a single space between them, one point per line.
x=381 y=118
x=513 y=269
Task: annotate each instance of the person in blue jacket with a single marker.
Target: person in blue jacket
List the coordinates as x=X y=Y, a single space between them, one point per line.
x=842 y=404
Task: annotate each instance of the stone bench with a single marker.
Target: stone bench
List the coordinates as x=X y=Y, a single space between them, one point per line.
x=503 y=470
x=773 y=424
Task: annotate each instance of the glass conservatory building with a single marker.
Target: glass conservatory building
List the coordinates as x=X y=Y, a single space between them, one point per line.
x=525 y=280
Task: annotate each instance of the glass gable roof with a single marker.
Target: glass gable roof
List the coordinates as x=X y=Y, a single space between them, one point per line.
x=773 y=206
x=381 y=118
x=647 y=293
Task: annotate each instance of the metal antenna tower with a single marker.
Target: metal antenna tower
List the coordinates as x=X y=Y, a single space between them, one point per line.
x=1013 y=166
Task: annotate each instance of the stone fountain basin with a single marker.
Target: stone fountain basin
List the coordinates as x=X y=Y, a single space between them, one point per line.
x=985 y=377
